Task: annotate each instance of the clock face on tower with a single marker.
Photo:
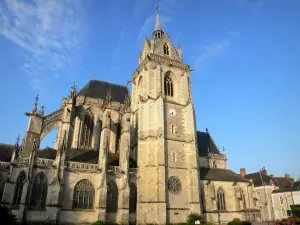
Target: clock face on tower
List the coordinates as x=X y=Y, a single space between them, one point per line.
x=172 y=112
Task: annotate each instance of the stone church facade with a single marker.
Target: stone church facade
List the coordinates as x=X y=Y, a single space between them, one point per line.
x=124 y=158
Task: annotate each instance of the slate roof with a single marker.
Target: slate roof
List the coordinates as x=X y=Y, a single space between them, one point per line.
x=220 y=175
x=206 y=144
x=82 y=155
x=259 y=181
x=296 y=185
x=99 y=89
x=46 y=153
x=6 y=152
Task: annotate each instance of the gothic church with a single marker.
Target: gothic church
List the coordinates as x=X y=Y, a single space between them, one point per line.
x=124 y=158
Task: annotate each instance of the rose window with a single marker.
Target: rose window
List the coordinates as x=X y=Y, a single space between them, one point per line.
x=174 y=185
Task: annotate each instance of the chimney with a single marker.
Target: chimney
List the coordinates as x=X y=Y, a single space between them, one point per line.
x=264 y=171
x=243 y=172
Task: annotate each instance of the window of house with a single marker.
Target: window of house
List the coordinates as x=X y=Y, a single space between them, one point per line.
x=19 y=188
x=221 y=199
x=83 y=197
x=39 y=191
x=168 y=85
x=281 y=200
x=283 y=211
x=258 y=195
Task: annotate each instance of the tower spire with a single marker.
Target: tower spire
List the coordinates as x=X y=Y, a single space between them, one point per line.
x=157 y=24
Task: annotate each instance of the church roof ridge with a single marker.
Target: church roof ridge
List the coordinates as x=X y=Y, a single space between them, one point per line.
x=107 y=82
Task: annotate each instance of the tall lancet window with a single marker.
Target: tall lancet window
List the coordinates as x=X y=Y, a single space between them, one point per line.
x=221 y=199
x=87 y=131
x=19 y=188
x=166 y=49
x=168 y=83
x=39 y=191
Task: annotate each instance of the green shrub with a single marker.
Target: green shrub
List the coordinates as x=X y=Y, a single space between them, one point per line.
x=7 y=217
x=193 y=217
x=296 y=212
x=235 y=221
x=98 y=223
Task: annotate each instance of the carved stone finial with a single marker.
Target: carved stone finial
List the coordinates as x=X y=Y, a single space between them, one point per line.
x=108 y=96
x=73 y=90
x=127 y=103
x=34 y=109
x=206 y=130
x=17 y=143
x=224 y=150
x=42 y=111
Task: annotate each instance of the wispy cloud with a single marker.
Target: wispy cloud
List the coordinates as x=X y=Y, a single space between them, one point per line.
x=50 y=32
x=252 y=5
x=208 y=52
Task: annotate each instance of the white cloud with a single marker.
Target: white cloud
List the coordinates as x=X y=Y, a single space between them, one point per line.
x=50 y=32
x=209 y=52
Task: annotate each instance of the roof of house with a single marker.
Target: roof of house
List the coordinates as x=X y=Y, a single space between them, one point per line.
x=220 y=175
x=99 y=89
x=284 y=182
x=206 y=144
x=259 y=179
x=296 y=185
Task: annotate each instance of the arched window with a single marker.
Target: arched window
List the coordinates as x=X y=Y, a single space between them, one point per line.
x=214 y=164
x=87 y=131
x=168 y=83
x=221 y=199
x=112 y=197
x=166 y=49
x=39 y=191
x=2 y=185
x=132 y=198
x=19 y=188
x=83 y=197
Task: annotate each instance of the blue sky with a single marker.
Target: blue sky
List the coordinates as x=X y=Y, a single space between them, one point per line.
x=246 y=84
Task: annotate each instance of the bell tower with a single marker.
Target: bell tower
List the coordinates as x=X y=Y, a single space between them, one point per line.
x=163 y=117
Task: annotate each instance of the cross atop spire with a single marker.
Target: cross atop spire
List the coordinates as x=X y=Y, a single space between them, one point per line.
x=157 y=24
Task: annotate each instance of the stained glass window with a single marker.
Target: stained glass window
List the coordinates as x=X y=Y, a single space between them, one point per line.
x=83 y=197
x=39 y=191
x=19 y=188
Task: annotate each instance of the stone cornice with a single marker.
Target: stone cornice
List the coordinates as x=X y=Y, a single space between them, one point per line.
x=160 y=60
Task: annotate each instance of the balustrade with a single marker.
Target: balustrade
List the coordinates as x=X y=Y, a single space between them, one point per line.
x=82 y=167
